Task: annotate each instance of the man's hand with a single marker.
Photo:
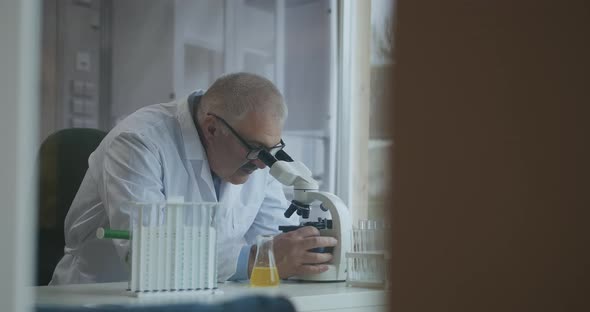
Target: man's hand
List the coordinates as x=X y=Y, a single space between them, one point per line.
x=292 y=253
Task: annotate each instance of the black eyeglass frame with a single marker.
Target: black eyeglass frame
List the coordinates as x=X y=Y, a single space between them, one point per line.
x=253 y=152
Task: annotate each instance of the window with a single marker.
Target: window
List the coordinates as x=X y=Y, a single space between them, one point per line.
x=380 y=132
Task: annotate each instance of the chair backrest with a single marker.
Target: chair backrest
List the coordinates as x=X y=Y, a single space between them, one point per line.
x=63 y=162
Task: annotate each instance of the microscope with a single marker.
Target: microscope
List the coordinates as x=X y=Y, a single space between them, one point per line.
x=296 y=174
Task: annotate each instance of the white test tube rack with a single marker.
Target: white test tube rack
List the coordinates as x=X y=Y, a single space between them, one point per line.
x=368 y=263
x=173 y=249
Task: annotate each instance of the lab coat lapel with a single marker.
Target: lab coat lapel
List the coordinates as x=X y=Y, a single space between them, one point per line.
x=230 y=199
x=195 y=152
x=206 y=177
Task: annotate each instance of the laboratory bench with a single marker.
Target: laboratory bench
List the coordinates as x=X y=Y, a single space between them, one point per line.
x=305 y=296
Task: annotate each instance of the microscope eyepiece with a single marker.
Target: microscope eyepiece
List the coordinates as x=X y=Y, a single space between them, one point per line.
x=282 y=155
x=267 y=158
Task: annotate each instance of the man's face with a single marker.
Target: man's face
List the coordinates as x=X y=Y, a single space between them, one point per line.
x=228 y=155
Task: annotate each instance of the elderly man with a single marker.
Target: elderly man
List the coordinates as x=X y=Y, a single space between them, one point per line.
x=202 y=148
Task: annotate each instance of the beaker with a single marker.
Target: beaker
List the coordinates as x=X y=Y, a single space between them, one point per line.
x=265 y=272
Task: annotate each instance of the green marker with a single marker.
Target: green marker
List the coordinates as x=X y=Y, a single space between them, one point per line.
x=102 y=233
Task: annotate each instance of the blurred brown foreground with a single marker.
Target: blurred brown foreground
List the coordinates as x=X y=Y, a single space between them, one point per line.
x=491 y=118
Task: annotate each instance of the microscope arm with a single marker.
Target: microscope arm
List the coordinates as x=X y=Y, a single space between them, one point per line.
x=296 y=174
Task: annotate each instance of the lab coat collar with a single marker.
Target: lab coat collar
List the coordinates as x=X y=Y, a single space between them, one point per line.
x=192 y=143
x=195 y=152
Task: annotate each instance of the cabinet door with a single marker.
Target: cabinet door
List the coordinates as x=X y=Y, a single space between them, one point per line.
x=215 y=37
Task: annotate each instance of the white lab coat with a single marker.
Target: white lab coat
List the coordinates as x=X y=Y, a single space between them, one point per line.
x=155 y=154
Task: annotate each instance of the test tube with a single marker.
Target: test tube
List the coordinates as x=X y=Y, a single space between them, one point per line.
x=362 y=235
x=188 y=237
x=380 y=239
x=154 y=246
x=196 y=246
x=168 y=266
x=143 y=251
x=203 y=242
x=163 y=247
x=135 y=224
x=372 y=242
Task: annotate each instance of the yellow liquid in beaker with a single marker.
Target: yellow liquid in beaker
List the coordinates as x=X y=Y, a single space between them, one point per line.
x=264 y=277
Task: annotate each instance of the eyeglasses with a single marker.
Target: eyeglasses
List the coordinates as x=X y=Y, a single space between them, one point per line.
x=253 y=152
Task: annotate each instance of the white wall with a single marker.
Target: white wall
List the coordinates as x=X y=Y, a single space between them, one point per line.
x=143 y=68
x=19 y=64
x=201 y=21
x=71 y=31
x=78 y=36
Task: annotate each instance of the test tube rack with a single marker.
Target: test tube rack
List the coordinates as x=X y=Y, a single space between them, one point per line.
x=173 y=248
x=368 y=262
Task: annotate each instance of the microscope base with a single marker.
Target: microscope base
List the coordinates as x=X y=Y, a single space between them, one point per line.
x=332 y=275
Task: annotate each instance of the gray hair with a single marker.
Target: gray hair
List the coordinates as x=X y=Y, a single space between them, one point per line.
x=235 y=95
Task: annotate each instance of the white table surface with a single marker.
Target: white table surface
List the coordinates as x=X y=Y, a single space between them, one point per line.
x=305 y=296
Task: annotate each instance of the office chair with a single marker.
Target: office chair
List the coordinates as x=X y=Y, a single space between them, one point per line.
x=63 y=161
